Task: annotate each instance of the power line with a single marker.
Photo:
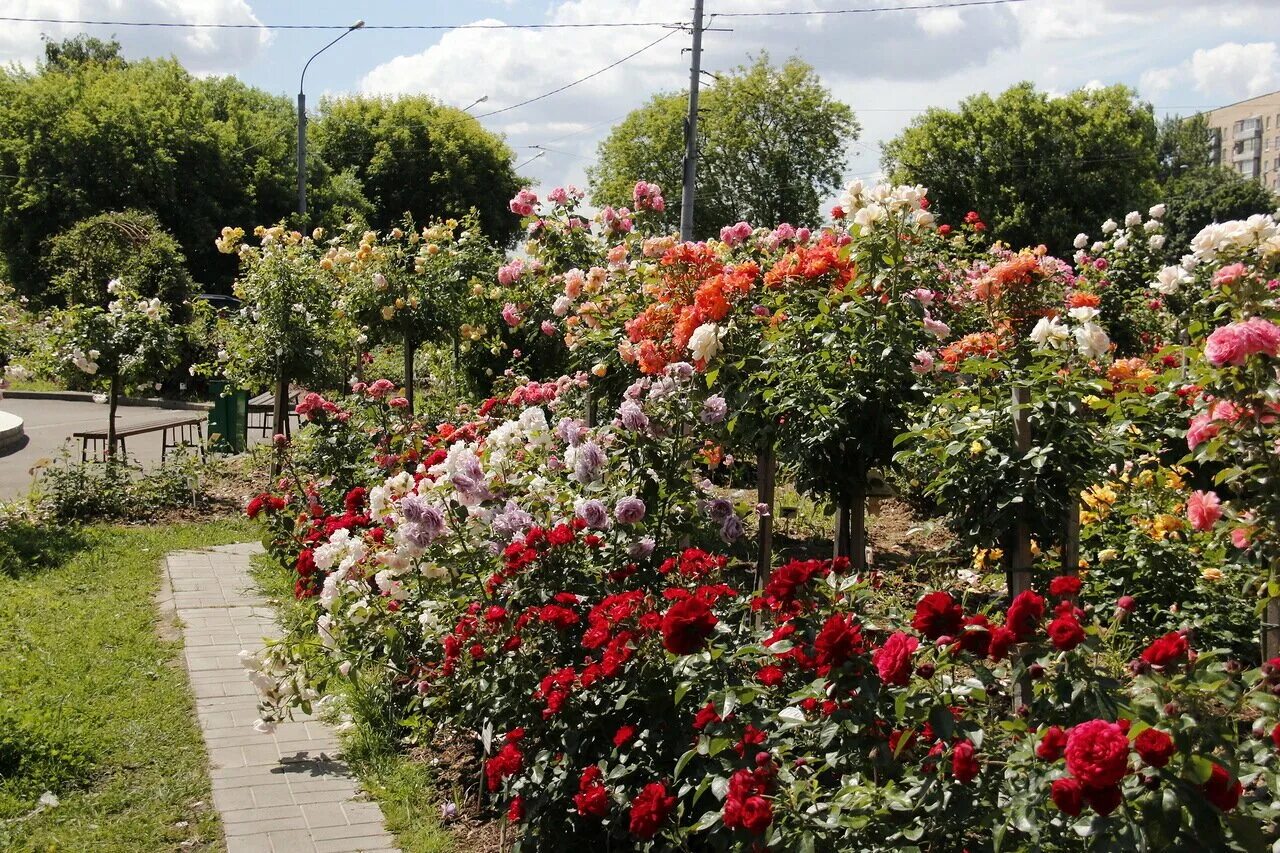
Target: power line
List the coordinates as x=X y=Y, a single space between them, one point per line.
x=260 y=26
x=797 y=13
x=570 y=85
x=557 y=90
x=93 y=22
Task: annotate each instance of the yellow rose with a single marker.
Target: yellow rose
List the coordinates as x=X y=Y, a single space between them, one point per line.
x=1106 y=555
x=1212 y=575
x=976 y=448
x=600 y=369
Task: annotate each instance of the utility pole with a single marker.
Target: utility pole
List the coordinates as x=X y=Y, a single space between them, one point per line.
x=691 y=129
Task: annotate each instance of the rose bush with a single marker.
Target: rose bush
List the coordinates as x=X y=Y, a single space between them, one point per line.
x=581 y=600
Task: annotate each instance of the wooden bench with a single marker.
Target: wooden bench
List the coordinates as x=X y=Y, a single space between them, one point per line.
x=265 y=405
x=175 y=432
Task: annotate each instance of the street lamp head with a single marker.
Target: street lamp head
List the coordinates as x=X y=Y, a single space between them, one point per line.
x=358 y=25
x=482 y=99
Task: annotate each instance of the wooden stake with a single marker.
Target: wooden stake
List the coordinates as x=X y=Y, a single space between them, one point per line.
x=766 y=473
x=1019 y=579
x=1271 y=618
x=113 y=400
x=1071 y=537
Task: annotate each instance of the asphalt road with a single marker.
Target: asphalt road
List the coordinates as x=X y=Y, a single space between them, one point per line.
x=50 y=423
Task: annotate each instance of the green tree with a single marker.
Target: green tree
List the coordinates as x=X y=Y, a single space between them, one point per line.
x=771 y=147
x=87 y=133
x=1038 y=169
x=1182 y=143
x=413 y=156
x=1199 y=196
x=70 y=53
x=129 y=245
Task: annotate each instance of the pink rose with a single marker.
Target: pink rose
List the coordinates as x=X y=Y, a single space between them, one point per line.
x=1228 y=275
x=510 y=315
x=1261 y=336
x=1227 y=345
x=1204 y=509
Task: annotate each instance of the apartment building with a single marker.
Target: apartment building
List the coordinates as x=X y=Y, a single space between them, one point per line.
x=1245 y=136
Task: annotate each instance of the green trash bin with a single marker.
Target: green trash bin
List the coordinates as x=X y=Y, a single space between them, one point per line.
x=228 y=419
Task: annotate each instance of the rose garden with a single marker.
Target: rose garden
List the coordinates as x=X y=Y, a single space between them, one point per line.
x=580 y=581
x=881 y=534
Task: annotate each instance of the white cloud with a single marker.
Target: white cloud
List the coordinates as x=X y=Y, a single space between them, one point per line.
x=202 y=51
x=1236 y=71
x=940 y=22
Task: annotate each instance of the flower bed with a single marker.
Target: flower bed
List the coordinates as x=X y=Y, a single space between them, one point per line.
x=586 y=601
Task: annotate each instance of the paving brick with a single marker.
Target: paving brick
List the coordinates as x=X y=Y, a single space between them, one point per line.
x=283 y=793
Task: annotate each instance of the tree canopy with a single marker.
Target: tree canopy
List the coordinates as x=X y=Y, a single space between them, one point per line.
x=772 y=145
x=1037 y=168
x=128 y=245
x=413 y=156
x=87 y=133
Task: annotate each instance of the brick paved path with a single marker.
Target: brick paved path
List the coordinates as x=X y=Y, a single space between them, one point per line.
x=280 y=793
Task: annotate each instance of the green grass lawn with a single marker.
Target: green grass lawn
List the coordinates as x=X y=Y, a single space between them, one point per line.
x=94 y=703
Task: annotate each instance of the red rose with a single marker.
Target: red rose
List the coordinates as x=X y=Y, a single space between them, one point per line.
x=1166 y=650
x=706 y=716
x=592 y=799
x=1097 y=753
x=838 y=641
x=1024 y=615
x=975 y=635
x=561 y=534
x=1052 y=743
x=1275 y=735
x=770 y=675
x=938 y=615
x=1221 y=789
x=893 y=659
x=1154 y=747
x=649 y=810
x=1064 y=585
x=1002 y=639
x=515 y=811
x=1067 y=796
x=964 y=764
x=507 y=762
x=1066 y=633
x=686 y=626
x=757 y=814
x=1103 y=800
x=624 y=736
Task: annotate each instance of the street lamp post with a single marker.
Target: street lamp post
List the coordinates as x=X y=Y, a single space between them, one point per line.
x=280 y=410
x=302 y=122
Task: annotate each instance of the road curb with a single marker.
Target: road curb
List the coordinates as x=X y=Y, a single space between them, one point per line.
x=87 y=397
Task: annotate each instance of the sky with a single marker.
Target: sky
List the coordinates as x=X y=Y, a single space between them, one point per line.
x=1180 y=55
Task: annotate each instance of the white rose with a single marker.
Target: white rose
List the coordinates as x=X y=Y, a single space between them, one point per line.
x=1132 y=218
x=1109 y=226
x=1081 y=241
x=1091 y=341
x=1050 y=333
x=704 y=344
x=1097 y=247
x=1169 y=279
x=1121 y=243
x=1083 y=314
x=1156 y=242
x=1157 y=212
